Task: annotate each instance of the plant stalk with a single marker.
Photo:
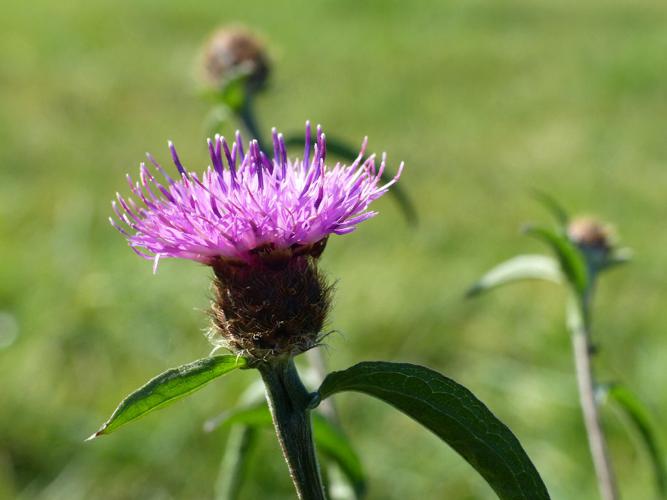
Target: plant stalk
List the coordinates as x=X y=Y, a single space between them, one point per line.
x=579 y=322
x=289 y=403
x=246 y=115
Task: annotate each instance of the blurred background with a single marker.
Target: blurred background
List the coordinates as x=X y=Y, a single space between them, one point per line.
x=483 y=101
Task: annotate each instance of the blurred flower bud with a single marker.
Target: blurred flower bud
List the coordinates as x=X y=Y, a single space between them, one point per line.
x=590 y=234
x=232 y=51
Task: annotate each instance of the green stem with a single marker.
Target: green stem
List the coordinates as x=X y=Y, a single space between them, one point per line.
x=247 y=116
x=289 y=402
x=579 y=323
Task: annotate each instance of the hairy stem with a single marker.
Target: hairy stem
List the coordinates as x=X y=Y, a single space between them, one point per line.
x=289 y=402
x=579 y=322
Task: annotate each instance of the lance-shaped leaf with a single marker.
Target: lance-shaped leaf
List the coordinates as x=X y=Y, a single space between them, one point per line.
x=454 y=414
x=635 y=411
x=619 y=256
x=519 y=268
x=553 y=206
x=339 y=148
x=572 y=262
x=234 y=467
x=168 y=387
x=328 y=437
x=335 y=445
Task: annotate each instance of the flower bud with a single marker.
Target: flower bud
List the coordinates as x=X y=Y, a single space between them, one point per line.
x=231 y=50
x=264 y=310
x=590 y=234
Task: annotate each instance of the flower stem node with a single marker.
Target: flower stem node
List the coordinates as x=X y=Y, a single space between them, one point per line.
x=271 y=309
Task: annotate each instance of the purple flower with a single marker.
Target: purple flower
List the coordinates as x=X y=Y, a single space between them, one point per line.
x=255 y=207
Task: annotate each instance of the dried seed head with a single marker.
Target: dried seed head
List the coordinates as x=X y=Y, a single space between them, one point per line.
x=591 y=234
x=234 y=49
x=269 y=310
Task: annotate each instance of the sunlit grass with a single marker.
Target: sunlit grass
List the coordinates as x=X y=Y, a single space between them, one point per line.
x=483 y=101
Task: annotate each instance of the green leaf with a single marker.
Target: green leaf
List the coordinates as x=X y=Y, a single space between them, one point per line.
x=572 y=262
x=329 y=439
x=234 y=467
x=335 y=445
x=636 y=412
x=339 y=148
x=553 y=206
x=618 y=257
x=520 y=268
x=255 y=416
x=169 y=387
x=454 y=414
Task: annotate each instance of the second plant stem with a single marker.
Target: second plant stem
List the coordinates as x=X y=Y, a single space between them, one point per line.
x=289 y=402
x=246 y=115
x=579 y=323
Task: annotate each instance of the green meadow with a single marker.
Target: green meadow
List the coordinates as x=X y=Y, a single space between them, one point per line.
x=483 y=100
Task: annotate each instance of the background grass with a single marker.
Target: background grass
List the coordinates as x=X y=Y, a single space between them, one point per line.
x=483 y=101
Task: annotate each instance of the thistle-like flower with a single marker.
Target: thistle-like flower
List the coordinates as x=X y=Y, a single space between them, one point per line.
x=256 y=209
x=261 y=223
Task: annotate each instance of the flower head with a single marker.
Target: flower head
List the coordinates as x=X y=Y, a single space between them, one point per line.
x=261 y=223
x=247 y=207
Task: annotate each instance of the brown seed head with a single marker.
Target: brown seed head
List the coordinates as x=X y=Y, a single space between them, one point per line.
x=230 y=50
x=263 y=311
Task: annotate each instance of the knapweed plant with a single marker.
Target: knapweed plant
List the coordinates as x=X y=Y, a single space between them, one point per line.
x=584 y=248
x=262 y=223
